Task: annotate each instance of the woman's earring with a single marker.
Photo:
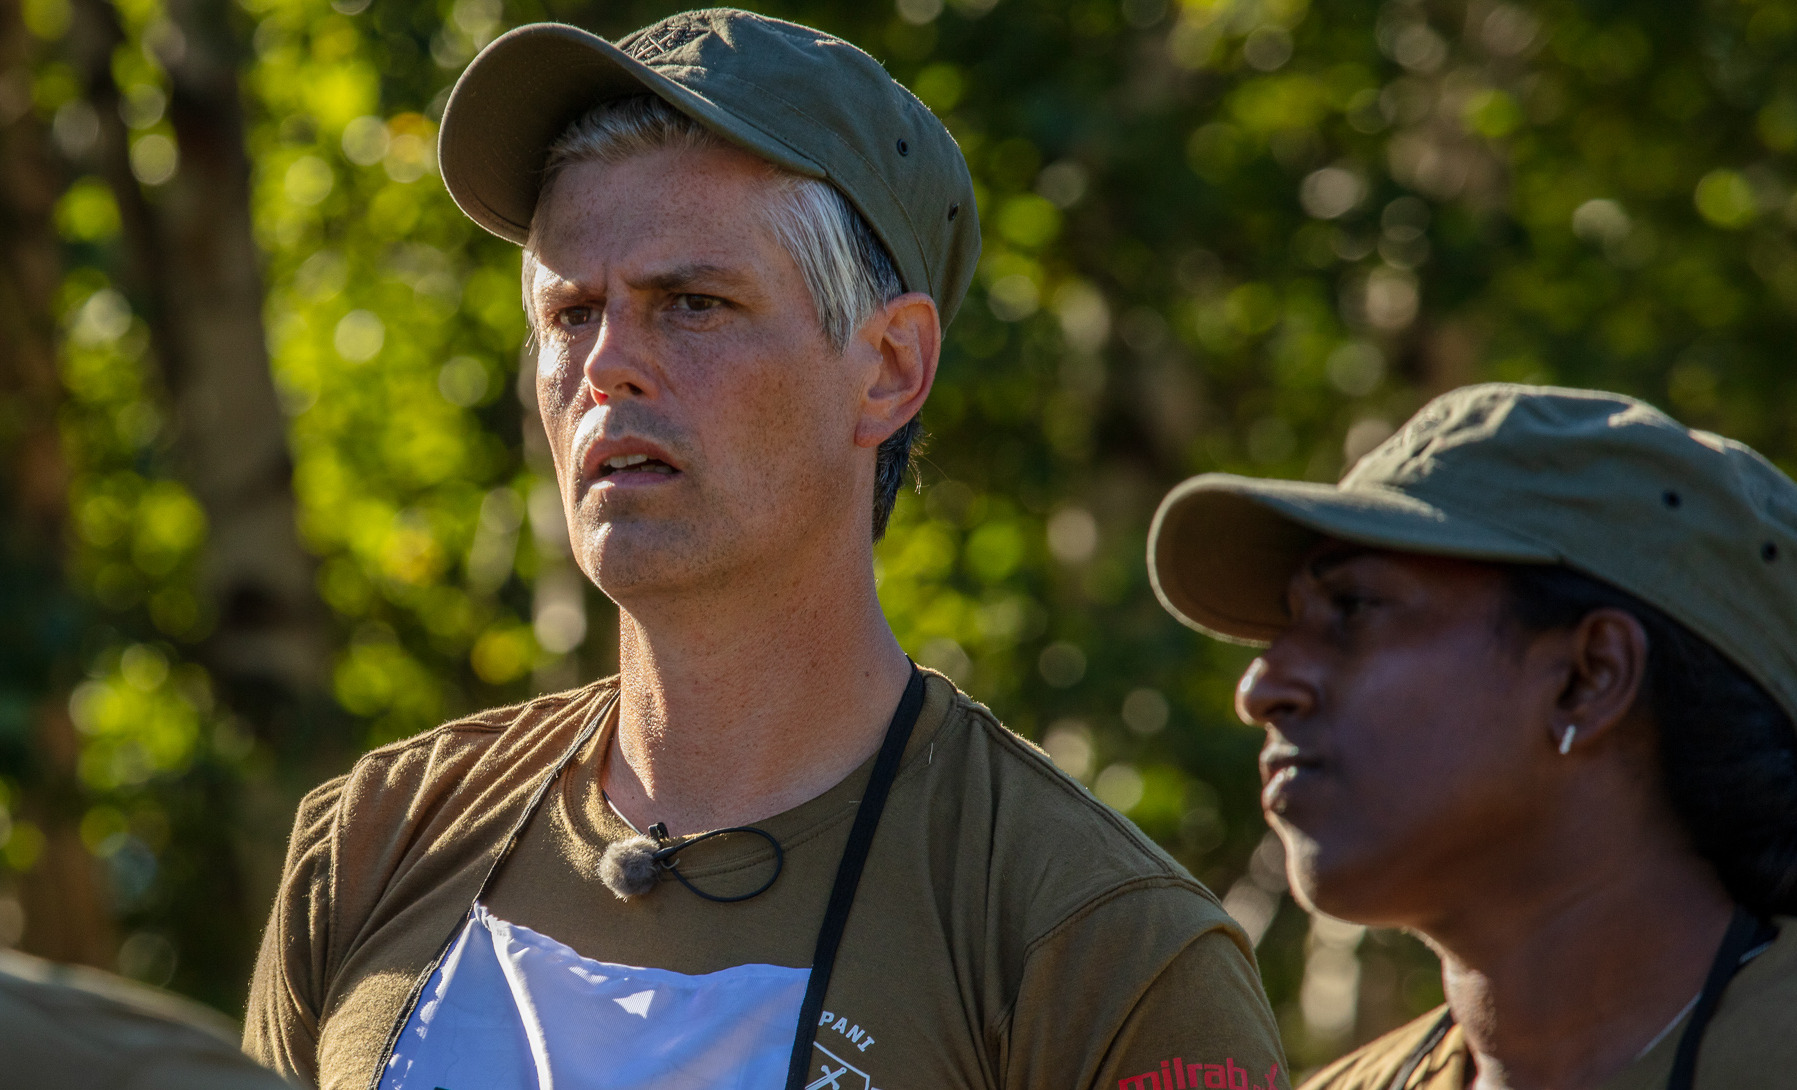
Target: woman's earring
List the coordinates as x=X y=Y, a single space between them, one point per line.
x=1566 y=739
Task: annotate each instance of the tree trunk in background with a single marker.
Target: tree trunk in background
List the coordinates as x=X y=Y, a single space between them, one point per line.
x=66 y=911
x=195 y=272
x=192 y=270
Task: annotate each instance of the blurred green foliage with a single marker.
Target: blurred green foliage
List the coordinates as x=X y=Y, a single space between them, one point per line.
x=1250 y=235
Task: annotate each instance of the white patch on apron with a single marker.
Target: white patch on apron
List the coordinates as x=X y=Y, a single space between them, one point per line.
x=509 y=1009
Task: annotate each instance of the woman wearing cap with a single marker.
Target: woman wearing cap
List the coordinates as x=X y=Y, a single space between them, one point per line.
x=1529 y=688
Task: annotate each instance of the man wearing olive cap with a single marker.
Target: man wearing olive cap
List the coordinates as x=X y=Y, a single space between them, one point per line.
x=1529 y=688
x=771 y=852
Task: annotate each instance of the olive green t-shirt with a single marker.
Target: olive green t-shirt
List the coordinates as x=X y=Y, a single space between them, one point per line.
x=1751 y=1042
x=71 y=1028
x=1009 y=930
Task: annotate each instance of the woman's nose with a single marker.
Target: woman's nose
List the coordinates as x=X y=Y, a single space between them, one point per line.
x=1270 y=690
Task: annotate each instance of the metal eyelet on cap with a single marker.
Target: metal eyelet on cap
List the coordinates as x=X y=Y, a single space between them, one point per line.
x=904 y=148
x=1671 y=499
x=953 y=211
x=1769 y=552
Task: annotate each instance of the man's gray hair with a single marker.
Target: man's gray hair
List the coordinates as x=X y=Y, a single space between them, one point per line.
x=845 y=265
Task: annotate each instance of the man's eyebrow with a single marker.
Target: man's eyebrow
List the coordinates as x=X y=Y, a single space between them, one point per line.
x=681 y=277
x=547 y=281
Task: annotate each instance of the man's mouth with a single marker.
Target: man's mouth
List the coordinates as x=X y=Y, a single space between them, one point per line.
x=633 y=464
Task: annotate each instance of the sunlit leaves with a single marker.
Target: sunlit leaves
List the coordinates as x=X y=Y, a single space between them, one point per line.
x=376 y=678
x=504 y=653
x=1725 y=199
x=48 y=19
x=87 y=212
x=139 y=719
x=1247 y=235
x=1028 y=221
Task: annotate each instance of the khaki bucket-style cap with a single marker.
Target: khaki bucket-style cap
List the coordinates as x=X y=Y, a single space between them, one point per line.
x=1699 y=526
x=797 y=97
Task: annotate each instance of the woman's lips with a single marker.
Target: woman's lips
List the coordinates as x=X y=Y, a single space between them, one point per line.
x=1282 y=773
x=1275 y=793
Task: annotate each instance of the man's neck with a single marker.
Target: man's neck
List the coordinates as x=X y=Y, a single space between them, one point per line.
x=1564 y=989
x=744 y=703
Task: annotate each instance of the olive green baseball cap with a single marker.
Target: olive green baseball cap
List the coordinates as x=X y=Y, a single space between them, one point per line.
x=797 y=97
x=1699 y=526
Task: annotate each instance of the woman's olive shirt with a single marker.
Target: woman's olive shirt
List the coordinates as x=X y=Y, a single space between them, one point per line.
x=1751 y=1043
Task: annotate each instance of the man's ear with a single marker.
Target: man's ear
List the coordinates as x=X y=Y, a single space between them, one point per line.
x=1607 y=667
x=906 y=335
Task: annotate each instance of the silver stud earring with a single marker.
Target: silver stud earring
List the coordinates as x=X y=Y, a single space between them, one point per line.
x=1566 y=739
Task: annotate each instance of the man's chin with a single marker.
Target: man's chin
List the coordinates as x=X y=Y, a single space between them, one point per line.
x=627 y=561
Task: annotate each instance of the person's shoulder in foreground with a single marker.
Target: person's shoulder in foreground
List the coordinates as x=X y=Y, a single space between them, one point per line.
x=74 y=1028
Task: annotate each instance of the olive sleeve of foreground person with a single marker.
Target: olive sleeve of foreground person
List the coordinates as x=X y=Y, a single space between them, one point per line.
x=1152 y=987
x=286 y=1000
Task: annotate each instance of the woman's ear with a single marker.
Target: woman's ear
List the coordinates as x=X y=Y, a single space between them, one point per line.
x=1607 y=667
x=906 y=334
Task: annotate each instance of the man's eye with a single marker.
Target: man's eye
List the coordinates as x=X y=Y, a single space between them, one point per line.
x=571 y=317
x=1351 y=603
x=694 y=302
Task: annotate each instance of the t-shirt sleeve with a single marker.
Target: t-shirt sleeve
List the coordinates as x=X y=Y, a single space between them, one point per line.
x=1152 y=988
x=287 y=991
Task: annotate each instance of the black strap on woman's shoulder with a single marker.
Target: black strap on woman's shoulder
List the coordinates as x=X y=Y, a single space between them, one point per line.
x=848 y=876
x=1745 y=932
x=1423 y=1050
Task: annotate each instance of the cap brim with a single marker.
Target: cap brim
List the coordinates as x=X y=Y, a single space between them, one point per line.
x=1223 y=548
x=523 y=91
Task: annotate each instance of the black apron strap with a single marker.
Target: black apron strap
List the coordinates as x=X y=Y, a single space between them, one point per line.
x=1745 y=932
x=848 y=876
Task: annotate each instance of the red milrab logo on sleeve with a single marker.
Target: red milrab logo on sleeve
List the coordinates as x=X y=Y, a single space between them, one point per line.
x=1176 y=1074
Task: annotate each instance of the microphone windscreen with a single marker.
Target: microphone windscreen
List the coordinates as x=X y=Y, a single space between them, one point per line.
x=628 y=867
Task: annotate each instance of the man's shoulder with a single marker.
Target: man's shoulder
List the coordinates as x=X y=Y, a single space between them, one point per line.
x=1375 y=1064
x=510 y=724
x=487 y=756
x=452 y=748
x=1049 y=834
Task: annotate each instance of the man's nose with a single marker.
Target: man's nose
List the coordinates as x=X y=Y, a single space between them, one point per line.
x=616 y=365
x=1271 y=689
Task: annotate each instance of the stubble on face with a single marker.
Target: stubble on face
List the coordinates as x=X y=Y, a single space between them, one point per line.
x=672 y=325
x=1401 y=763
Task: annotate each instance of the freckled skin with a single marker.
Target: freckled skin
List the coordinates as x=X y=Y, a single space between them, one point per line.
x=667 y=311
x=756 y=668
x=1395 y=679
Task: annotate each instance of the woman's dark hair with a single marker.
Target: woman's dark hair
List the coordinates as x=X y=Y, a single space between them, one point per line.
x=1728 y=755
